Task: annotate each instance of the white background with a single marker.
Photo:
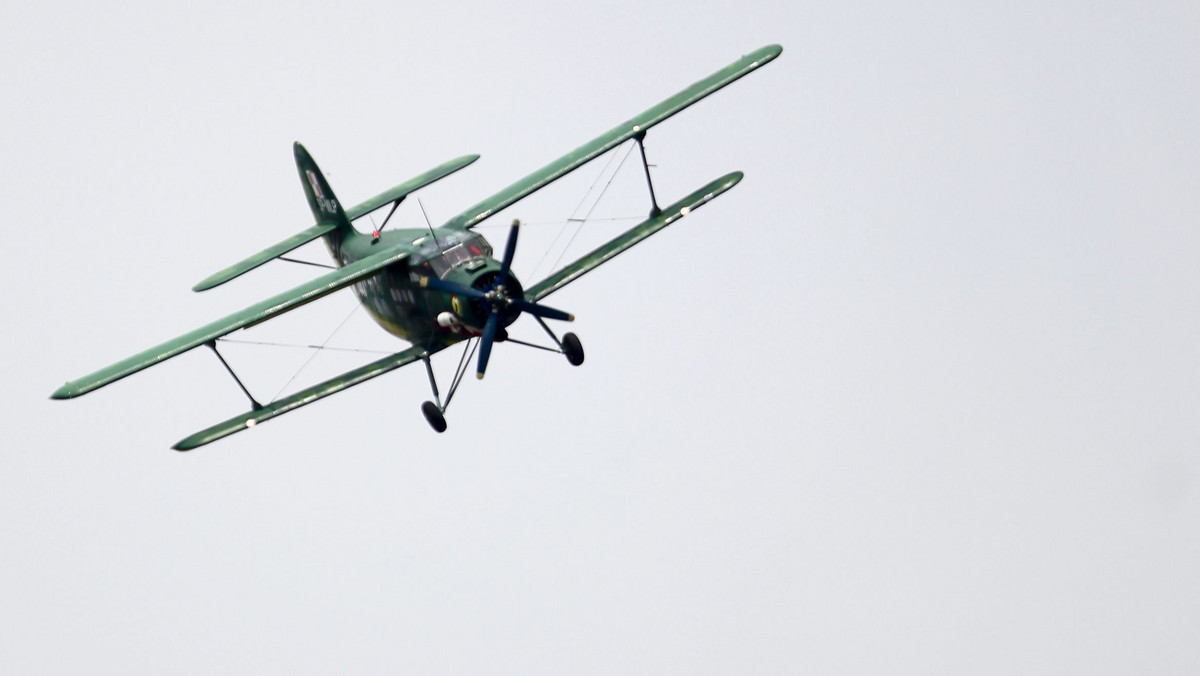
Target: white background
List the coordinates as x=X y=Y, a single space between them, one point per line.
x=918 y=396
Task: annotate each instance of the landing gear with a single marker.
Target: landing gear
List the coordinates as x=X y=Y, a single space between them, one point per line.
x=569 y=345
x=435 y=411
x=572 y=348
x=434 y=416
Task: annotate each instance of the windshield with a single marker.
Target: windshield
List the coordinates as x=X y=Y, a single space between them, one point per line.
x=456 y=249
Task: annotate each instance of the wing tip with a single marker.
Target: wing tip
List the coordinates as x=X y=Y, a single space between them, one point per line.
x=763 y=55
x=772 y=50
x=208 y=283
x=68 y=391
x=211 y=434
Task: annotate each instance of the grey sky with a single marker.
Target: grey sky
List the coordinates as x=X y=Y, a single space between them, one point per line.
x=918 y=396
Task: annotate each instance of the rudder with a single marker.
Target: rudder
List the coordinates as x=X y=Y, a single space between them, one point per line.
x=324 y=204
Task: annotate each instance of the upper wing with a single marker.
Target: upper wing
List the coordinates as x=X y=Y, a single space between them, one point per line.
x=357 y=211
x=275 y=305
x=627 y=239
x=613 y=138
x=265 y=256
x=308 y=396
x=401 y=191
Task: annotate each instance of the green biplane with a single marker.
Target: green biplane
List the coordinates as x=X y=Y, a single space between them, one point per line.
x=434 y=287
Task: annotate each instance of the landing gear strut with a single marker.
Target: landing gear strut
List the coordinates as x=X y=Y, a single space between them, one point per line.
x=434 y=411
x=569 y=345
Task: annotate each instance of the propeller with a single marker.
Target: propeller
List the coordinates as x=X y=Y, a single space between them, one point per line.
x=497 y=300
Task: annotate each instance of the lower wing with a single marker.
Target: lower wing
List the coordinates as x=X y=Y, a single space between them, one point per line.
x=308 y=396
x=627 y=239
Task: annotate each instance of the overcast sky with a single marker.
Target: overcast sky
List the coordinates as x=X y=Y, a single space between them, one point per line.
x=918 y=396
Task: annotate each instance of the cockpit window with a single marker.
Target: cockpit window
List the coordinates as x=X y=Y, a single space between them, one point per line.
x=456 y=254
x=456 y=249
x=471 y=248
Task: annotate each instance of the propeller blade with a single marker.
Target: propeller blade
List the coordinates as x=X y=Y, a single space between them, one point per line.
x=451 y=287
x=510 y=248
x=542 y=310
x=485 y=343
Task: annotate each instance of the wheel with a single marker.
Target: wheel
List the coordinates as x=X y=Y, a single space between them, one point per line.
x=434 y=415
x=572 y=348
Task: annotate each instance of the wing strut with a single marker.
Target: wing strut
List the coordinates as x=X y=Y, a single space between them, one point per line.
x=377 y=231
x=640 y=138
x=254 y=405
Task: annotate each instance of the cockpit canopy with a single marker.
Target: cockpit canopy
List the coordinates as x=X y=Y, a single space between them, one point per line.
x=457 y=248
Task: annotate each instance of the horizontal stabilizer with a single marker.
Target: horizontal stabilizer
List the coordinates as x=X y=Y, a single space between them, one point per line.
x=259 y=312
x=308 y=396
x=627 y=239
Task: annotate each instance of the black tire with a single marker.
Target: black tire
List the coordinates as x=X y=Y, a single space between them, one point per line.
x=434 y=416
x=572 y=348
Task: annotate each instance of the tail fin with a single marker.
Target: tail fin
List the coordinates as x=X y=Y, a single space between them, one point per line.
x=325 y=207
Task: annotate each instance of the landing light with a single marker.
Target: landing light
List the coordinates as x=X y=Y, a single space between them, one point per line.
x=251 y=423
x=685 y=211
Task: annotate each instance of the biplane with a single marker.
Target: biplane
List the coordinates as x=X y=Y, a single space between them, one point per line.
x=433 y=287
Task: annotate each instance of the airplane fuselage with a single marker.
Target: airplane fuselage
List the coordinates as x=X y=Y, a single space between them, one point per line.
x=397 y=300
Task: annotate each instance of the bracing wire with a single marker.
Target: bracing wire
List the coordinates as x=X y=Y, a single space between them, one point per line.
x=302 y=346
x=558 y=222
x=607 y=165
x=461 y=370
x=583 y=220
x=316 y=352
